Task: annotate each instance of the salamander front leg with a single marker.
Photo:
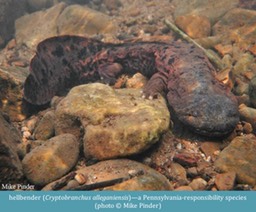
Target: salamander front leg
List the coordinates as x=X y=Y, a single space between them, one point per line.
x=109 y=72
x=156 y=85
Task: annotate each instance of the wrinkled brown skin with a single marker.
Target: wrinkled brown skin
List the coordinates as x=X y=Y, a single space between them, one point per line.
x=178 y=70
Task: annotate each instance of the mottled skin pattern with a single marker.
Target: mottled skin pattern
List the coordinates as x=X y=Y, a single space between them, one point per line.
x=178 y=70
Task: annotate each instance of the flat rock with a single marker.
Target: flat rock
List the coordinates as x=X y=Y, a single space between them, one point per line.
x=87 y=21
x=225 y=181
x=45 y=127
x=34 y=25
x=10 y=166
x=210 y=148
x=240 y=157
x=213 y=9
x=195 y=26
x=53 y=159
x=60 y=20
x=117 y=123
x=146 y=179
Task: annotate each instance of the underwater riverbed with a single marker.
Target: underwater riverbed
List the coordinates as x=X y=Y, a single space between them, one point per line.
x=62 y=129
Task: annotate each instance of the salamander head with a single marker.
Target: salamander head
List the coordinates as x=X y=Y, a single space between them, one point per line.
x=213 y=115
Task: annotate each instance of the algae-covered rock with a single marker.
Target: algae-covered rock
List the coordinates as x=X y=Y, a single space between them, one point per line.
x=116 y=122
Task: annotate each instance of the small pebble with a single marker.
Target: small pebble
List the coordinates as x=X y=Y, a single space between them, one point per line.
x=247 y=128
x=192 y=172
x=198 y=184
x=147 y=160
x=217 y=152
x=23 y=129
x=71 y=184
x=208 y=159
x=80 y=178
x=31 y=123
x=214 y=189
x=132 y=172
x=179 y=146
x=26 y=134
